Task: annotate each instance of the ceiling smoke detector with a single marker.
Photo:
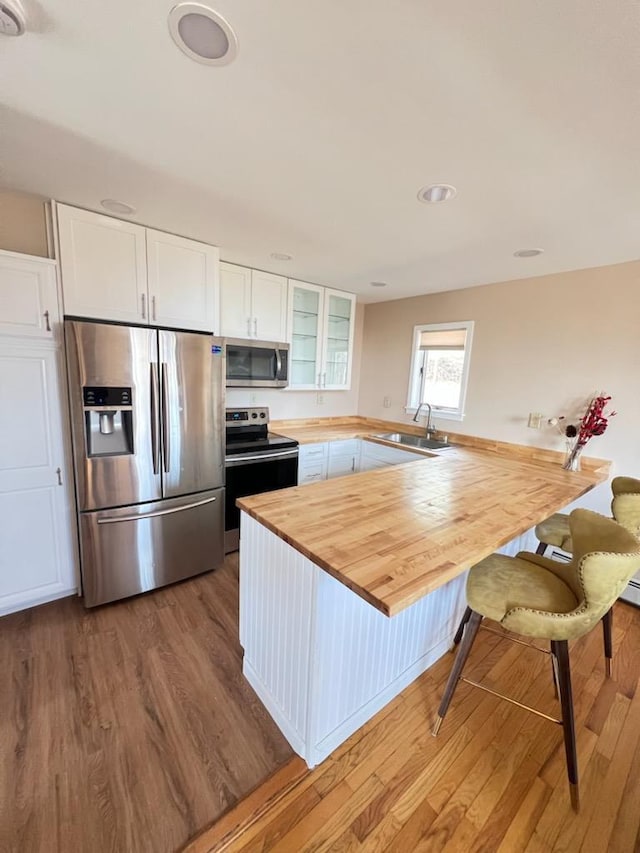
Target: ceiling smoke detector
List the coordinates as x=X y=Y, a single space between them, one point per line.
x=202 y=34
x=527 y=253
x=120 y=207
x=435 y=193
x=11 y=19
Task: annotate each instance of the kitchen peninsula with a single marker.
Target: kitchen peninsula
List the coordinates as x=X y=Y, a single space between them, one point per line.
x=350 y=588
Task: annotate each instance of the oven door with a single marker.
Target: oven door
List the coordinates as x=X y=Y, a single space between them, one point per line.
x=255 y=364
x=253 y=474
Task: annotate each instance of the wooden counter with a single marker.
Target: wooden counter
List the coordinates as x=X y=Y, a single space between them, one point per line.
x=396 y=534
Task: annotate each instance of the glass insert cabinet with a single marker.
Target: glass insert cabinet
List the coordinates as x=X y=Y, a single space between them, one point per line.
x=321 y=326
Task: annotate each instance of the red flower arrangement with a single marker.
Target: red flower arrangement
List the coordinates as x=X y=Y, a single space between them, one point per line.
x=594 y=422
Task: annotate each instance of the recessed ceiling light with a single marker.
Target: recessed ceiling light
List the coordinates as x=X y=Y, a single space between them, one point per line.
x=11 y=19
x=281 y=256
x=120 y=207
x=437 y=192
x=527 y=253
x=202 y=34
x=378 y=283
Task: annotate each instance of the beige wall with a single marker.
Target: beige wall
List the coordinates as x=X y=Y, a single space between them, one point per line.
x=540 y=345
x=304 y=404
x=22 y=223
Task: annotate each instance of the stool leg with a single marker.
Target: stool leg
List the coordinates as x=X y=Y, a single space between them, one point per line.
x=554 y=672
x=461 y=658
x=561 y=651
x=607 y=623
x=542 y=547
x=460 y=631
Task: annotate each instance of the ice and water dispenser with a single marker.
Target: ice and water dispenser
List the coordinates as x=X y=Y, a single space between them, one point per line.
x=108 y=415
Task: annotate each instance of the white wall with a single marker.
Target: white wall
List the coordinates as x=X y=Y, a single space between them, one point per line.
x=284 y=404
x=540 y=344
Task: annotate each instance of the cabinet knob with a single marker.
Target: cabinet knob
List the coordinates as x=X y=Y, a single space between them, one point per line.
x=59 y=473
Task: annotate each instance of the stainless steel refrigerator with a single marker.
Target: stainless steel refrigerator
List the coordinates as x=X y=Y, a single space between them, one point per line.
x=147 y=412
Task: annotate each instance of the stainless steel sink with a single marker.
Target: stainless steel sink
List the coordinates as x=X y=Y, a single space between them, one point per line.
x=413 y=440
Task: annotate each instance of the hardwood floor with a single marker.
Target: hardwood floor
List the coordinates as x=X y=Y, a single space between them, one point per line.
x=493 y=780
x=129 y=727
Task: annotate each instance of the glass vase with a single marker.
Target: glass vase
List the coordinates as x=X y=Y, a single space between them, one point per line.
x=572 y=456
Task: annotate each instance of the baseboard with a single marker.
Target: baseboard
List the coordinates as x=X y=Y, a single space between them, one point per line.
x=276 y=712
x=5 y=610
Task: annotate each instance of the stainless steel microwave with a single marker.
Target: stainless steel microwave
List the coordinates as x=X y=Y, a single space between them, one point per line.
x=256 y=364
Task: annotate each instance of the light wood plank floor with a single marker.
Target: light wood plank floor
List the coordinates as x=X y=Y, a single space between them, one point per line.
x=129 y=727
x=493 y=780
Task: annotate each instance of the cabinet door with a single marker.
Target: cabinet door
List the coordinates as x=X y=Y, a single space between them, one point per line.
x=337 y=353
x=28 y=297
x=268 y=306
x=36 y=558
x=103 y=265
x=235 y=301
x=183 y=282
x=305 y=318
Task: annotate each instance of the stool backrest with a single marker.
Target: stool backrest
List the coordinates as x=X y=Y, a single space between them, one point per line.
x=605 y=557
x=625 y=506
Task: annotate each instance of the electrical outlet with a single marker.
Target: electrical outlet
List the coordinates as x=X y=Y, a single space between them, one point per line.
x=320 y=399
x=535 y=420
x=387 y=402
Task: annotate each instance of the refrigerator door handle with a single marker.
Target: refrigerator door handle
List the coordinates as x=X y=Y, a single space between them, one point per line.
x=166 y=426
x=155 y=418
x=156 y=513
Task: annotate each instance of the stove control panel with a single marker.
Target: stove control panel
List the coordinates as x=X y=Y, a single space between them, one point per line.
x=246 y=417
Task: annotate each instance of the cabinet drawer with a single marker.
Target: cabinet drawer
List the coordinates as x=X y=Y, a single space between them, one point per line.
x=312 y=451
x=311 y=473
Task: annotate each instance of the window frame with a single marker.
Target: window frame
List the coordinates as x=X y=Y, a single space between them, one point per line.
x=458 y=413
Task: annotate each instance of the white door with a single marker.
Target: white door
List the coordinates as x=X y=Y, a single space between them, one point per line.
x=36 y=557
x=28 y=296
x=235 y=301
x=269 y=306
x=337 y=355
x=305 y=319
x=183 y=282
x=103 y=265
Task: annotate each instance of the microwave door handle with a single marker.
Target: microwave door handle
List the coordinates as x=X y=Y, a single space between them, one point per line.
x=166 y=424
x=278 y=364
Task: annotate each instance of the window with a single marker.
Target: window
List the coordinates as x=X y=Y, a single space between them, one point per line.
x=439 y=368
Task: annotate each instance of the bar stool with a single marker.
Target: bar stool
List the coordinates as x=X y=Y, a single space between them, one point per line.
x=625 y=508
x=544 y=599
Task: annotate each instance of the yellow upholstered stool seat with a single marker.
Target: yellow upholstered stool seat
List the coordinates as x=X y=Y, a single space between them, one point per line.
x=498 y=584
x=555 y=531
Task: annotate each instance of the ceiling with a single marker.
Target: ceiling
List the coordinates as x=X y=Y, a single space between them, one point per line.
x=317 y=138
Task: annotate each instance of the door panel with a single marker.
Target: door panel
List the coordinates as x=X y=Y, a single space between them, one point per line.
x=183 y=282
x=36 y=557
x=268 y=306
x=235 y=301
x=133 y=549
x=104 y=266
x=28 y=298
x=193 y=382
x=105 y=356
x=305 y=327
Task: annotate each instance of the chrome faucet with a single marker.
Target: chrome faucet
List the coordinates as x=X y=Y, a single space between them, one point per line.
x=430 y=429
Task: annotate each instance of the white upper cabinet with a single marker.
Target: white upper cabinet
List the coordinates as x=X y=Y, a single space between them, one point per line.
x=28 y=296
x=235 y=301
x=104 y=266
x=321 y=328
x=269 y=306
x=115 y=270
x=182 y=282
x=253 y=304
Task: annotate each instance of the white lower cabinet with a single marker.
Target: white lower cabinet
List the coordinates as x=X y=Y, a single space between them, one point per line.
x=36 y=558
x=312 y=463
x=344 y=457
x=329 y=459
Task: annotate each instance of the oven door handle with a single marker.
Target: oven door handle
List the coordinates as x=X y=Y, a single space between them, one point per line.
x=255 y=458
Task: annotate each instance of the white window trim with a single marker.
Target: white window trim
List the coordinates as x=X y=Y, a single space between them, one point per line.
x=440 y=412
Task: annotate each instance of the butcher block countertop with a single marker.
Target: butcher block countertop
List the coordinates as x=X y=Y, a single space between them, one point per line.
x=393 y=535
